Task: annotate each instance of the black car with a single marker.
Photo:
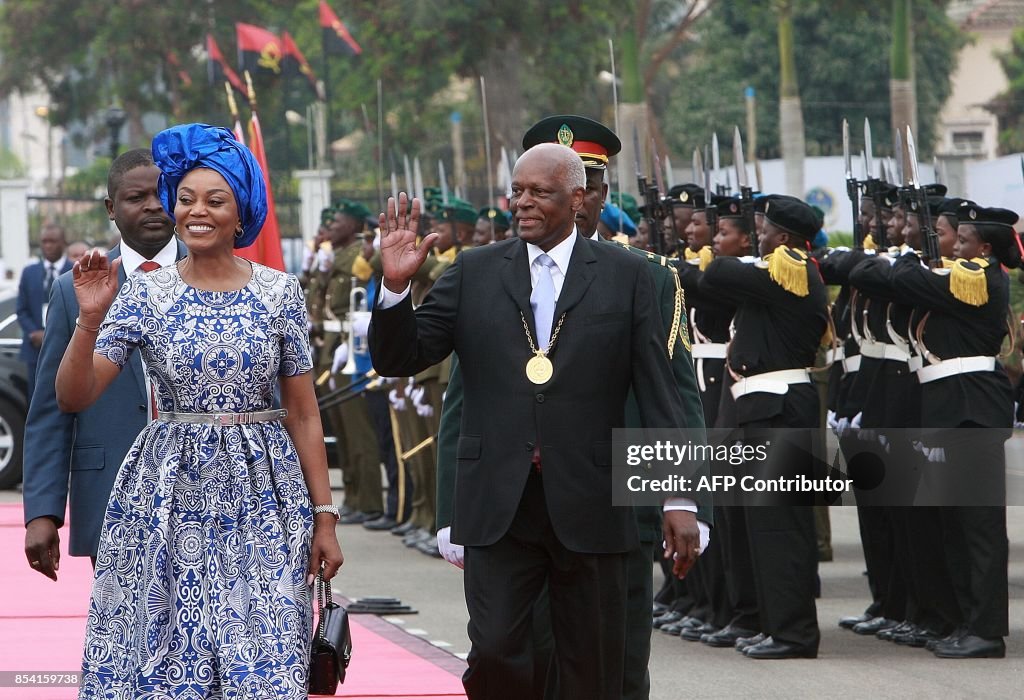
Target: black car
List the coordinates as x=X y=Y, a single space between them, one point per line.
x=13 y=394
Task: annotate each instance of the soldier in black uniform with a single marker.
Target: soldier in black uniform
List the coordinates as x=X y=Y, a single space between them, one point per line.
x=780 y=320
x=963 y=386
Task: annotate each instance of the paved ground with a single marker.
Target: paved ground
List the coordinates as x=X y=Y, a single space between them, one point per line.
x=849 y=666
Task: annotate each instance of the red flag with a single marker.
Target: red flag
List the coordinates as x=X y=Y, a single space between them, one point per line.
x=295 y=62
x=258 y=49
x=218 y=69
x=266 y=250
x=336 y=36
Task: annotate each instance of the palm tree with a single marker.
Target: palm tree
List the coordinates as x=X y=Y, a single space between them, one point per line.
x=902 y=92
x=791 y=118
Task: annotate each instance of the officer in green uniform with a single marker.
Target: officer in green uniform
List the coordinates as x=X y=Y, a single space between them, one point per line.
x=492 y=225
x=350 y=419
x=595 y=143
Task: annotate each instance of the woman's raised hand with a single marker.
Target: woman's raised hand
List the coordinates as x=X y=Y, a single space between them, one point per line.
x=96 y=284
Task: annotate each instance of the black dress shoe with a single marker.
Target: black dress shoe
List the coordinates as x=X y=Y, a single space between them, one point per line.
x=919 y=637
x=673 y=629
x=848 y=623
x=889 y=633
x=343 y=511
x=874 y=625
x=727 y=636
x=404 y=529
x=667 y=619
x=951 y=637
x=358 y=517
x=693 y=634
x=415 y=537
x=429 y=547
x=971 y=646
x=384 y=522
x=770 y=649
x=659 y=609
x=743 y=642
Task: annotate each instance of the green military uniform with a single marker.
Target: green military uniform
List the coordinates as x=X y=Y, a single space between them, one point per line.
x=350 y=420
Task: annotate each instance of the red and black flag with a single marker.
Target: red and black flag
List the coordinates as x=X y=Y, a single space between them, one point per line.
x=336 y=36
x=217 y=69
x=259 y=51
x=295 y=63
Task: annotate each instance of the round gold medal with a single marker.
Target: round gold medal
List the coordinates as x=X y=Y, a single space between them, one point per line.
x=539 y=369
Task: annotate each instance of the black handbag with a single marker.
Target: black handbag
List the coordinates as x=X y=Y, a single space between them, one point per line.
x=332 y=642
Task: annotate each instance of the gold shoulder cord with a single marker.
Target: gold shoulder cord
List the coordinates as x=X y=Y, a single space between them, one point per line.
x=678 y=327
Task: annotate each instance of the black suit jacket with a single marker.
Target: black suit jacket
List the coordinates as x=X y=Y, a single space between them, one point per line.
x=611 y=339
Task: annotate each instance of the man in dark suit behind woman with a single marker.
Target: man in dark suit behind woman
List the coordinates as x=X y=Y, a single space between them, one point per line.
x=89 y=446
x=34 y=291
x=533 y=492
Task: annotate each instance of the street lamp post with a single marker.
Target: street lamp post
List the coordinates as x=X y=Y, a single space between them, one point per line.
x=115 y=120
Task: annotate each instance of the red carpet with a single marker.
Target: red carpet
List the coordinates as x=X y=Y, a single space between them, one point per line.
x=42 y=626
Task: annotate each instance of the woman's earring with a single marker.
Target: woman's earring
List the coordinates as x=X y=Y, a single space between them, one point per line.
x=238 y=230
x=176 y=231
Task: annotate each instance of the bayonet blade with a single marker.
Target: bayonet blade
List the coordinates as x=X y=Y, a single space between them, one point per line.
x=847 y=162
x=636 y=154
x=698 y=166
x=707 y=175
x=715 y=164
x=394 y=186
x=757 y=174
x=868 y=153
x=444 y=182
x=901 y=165
x=409 y=185
x=417 y=180
x=912 y=157
x=936 y=172
x=864 y=164
x=670 y=178
x=656 y=160
x=737 y=158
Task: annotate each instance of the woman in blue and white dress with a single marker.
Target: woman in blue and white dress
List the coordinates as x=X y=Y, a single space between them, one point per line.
x=221 y=512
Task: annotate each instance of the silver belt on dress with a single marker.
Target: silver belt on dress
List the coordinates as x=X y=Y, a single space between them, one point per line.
x=223 y=419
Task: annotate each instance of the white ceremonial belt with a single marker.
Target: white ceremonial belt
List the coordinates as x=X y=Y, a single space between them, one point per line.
x=708 y=351
x=915 y=363
x=833 y=355
x=331 y=326
x=223 y=419
x=851 y=364
x=777 y=382
x=883 y=351
x=954 y=366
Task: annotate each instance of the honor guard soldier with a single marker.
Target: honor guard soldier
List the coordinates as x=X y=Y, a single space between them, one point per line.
x=492 y=225
x=350 y=420
x=780 y=321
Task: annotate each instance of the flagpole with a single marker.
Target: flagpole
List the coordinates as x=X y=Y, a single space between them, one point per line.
x=487 y=147
x=380 y=143
x=327 y=82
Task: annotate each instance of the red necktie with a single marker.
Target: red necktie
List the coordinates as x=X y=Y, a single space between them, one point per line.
x=149 y=266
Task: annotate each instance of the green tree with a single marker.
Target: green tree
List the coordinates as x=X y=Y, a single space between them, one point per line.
x=1007 y=105
x=842 y=51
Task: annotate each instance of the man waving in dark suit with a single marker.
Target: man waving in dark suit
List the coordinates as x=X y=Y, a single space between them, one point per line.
x=89 y=446
x=533 y=492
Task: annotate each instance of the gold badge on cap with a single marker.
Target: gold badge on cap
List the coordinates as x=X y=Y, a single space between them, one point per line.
x=565 y=136
x=973 y=214
x=684 y=197
x=491 y=213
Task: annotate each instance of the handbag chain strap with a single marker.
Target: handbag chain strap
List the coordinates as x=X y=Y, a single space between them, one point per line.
x=324 y=598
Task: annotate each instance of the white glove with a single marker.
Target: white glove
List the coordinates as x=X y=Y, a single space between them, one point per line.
x=842 y=426
x=340 y=357
x=855 y=421
x=454 y=554
x=308 y=256
x=324 y=259
x=830 y=420
x=361 y=325
x=397 y=400
x=409 y=387
x=937 y=454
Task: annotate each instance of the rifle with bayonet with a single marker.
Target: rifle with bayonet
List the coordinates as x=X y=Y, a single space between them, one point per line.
x=929 y=235
x=852 y=188
x=874 y=188
x=746 y=193
x=660 y=195
x=649 y=193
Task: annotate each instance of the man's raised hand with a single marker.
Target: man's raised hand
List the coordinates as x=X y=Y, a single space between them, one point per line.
x=400 y=256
